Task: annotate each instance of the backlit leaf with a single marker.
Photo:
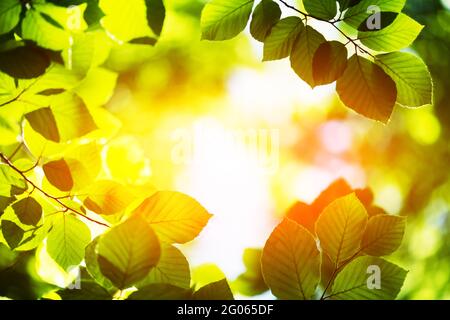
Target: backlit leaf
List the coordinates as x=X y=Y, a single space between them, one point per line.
x=383 y=235
x=302 y=54
x=279 y=42
x=58 y=174
x=322 y=9
x=172 y=268
x=361 y=11
x=398 y=35
x=67 y=240
x=367 y=89
x=108 y=197
x=329 y=62
x=291 y=262
x=128 y=252
x=265 y=15
x=219 y=290
x=9 y=14
x=352 y=283
x=225 y=19
x=28 y=210
x=175 y=217
x=411 y=76
x=340 y=228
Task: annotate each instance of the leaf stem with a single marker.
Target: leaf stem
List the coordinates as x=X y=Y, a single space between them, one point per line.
x=333 y=23
x=45 y=193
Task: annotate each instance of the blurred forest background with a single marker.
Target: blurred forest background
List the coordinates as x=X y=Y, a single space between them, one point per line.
x=183 y=84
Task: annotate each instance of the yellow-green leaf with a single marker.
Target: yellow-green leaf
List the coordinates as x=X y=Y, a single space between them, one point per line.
x=172 y=268
x=219 y=290
x=360 y=12
x=225 y=19
x=175 y=217
x=128 y=252
x=291 y=262
x=396 y=36
x=383 y=235
x=340 y=228
x=329 y=62
x=58 y=174
x=355 y=281
x=265 y=15
x=9 y=15
x=67 y=239
x=322 y=9
x=279 y=42
x=367 y=89
x=303 y=51
x=411 y=76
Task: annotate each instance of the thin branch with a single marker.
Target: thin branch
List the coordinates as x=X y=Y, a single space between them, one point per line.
x=336 y=271
x=333 y=23
x=67 y=208
x=16 y=150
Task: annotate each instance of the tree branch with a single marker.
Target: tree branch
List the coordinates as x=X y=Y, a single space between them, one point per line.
x=56 y=199
x=333 y=23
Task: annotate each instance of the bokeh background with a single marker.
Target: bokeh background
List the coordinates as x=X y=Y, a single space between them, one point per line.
x=178 y=100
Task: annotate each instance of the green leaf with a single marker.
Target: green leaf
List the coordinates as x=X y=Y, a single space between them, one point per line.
x=352 y=283
x=302 y=54
x=93 y=14
x=385 y=19
x=266 y=14
x=24 y=61
x=128 y=252
x=219 y=290
x=108 y=197
x=12 y=233
x=88 y=289
x=360 y=12
x=383 y=235
x=97 y=87
x=125 y=19
x=398 y=35
x=291 y=262
x=67 y=240
x=156 y=14
x=172 y=268
x=175 y=217
x=72 y=116
x=58 y=174
x=322 y=9
x=9 y=15
x=345 y=4
x=225 y=19
x=161 y=291
x=279 y=42
x=340 y=228
x=411 y=76
x=43 y=122
x=28 y=210
x=329 y=62
x=367 y=89
x=45 y=34
x=251 y=282
x=10 y=178
x=93 y=267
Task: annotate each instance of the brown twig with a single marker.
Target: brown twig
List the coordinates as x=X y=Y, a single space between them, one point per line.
x=333 y=23
x=45 y=193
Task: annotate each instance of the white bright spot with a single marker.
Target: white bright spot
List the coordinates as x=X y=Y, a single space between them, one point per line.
x=336 y=136
x=390 y=198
